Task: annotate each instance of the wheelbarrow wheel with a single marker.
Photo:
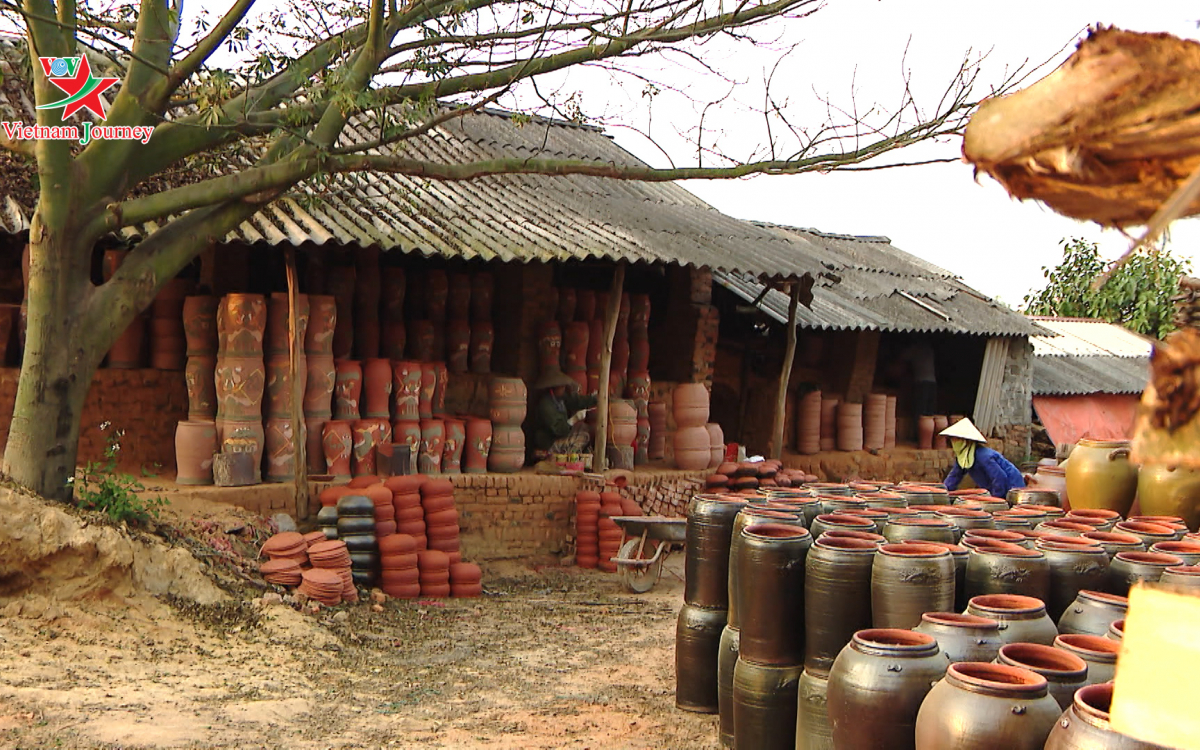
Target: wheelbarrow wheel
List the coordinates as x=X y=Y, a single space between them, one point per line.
x=639 y=578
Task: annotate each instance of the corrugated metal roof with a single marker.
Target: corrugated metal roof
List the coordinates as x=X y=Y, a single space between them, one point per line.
x=505 y=217
x=1088 y=356
x=867 y=283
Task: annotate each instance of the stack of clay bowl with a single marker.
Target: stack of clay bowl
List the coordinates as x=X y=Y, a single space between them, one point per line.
x=587 y=521
x=434 y=573
x=385 y=510
x=399 y=576
x=332 y=555
x=356 y=527
x=441 y=519
x=406 y=500
x=466 y=580
x=608 y=532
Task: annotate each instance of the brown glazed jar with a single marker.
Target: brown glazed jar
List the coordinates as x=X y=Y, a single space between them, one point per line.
x=812 y=714
x=1098 y=652
x=1001 y=569
x=1072 y=569
x=963 y=637
x=837 y=597
x=697 y=638
x=764 y=705
x=983 y=706
x=709 y=536
x=1127 y=568
x=771 y=565
x=1182 y=576
x=1113 y=542
x=877 y=685
x=908 y=580
x=1022 y=619
x=1064 y=671
x=1092 y=612
x=920 y=530
x=1086 y=725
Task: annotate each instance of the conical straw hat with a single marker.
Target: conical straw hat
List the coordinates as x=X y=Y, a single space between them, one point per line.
x=964 y=429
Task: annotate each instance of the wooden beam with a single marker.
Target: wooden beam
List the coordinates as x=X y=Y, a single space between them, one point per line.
x=295 y=347
x=599 y=457
x=785 y=375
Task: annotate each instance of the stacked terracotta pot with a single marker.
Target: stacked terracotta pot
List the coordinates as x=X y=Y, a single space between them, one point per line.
x=458 y=329
x=608 y=533
x=126 y=351
x=693 y=448
x=829 y=411
x=393 y=335
x=850 y=427
x=508 y=402
x=168 y=343
x=657 y=417
x=477 y=444
x=241 y=376
x=434 y=573
x=319 y=380
x=280 y=440
x=808 y=423
x=874 y=427
x=196 y=438
x=367 y=292
x=466 y=580
x=441 y=517
x=587 y=525
x=406 y=406
x=341 y=284
x=576 y=335
x=940 y=422
x=622 y=432
x=399 y=575
x=637 y=391
x=483 y=333
x=333 y=557
x=716 y=444
x=889 y=423
x=409 y=513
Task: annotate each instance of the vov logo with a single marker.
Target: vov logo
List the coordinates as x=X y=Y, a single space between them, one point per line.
x=74 y=76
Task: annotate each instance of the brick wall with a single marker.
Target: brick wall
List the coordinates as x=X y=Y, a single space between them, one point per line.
x=1016 y=401
x=904 y=464
x=146 y=404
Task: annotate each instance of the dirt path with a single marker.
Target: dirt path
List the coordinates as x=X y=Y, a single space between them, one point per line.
x=550 y=658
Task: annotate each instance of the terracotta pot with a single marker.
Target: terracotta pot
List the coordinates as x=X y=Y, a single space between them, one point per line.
x=337 y=439
x=874 y=415
x=195 y=444
x=481 y=296
x=808 y=423
x=1100 y=475
x=441 y=384
x=421 y=340
x=507 y=401
x=377 y=388
x=963 y=637
x=1064 y=672
x=391 y=294
x=764 y=705
x=657 y=412
x=716 y=445
x=200 y=325
x=642 y=444
x=697 y=640
x=549 y=346
x=637 y=389
x=771 y=577
x=692 y=449
x=347 y=389
x=908 y=580
x=240 y=383
x=622 y=422
x=408 y=432
x=342 y=283
x=507 y=453
x=940 y=422
x=458 y=304
x=278 y=401
x=1072 y=569
x=1086 y=725
x=877 y=685
x=452 y=452
x=433 y=438
x=280 y=450
x=639 y=354
x=278 y=313
x=710 y=522
x=984 y=706
x=1181 y=576
x=691 y=406
x=367 y=337
x=925 y=433
x=1099 y=653
x=477 y=444
x=314 y=451
x=849 y=427
x=483 y=338
x=428 y=389
x=200 y=379
x=1187 y=551
x=1092 y=612
x=320 y=381
x=458 y=346
x=363 y=453
x=241 y=324
x=406 y=383
x=322 y=321
x=1128 y=568
x=126 y=351
x=168 y=345
x=837 y=597
x=595 y=343
x=1022 y=619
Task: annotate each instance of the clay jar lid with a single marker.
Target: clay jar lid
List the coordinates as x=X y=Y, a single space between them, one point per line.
x=314 y=537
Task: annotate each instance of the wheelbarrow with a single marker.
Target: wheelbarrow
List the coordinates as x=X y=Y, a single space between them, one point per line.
x=646 y=542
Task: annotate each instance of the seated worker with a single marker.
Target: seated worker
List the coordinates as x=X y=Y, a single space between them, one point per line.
x=988 y=469
x=558 y=419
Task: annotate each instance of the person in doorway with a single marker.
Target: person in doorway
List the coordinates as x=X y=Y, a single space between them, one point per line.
x=558 y=420
x=921 y=365
x=986 y=467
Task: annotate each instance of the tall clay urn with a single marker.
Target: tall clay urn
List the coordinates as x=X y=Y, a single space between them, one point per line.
x=1100 y=475
x=908 y=580
x=837 y=597
x=697 y=639
x=709 y=537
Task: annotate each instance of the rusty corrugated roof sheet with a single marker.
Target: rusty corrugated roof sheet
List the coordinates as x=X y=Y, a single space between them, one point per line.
x=1088 y=356
x=867 y=283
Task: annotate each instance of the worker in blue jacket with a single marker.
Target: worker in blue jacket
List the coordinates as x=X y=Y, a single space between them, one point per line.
x=988 y=469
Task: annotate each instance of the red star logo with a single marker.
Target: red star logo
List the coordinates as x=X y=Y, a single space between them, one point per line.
x=84 y=86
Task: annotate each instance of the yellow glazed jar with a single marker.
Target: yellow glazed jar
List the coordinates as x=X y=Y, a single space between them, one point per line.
x=1100 y=476
x=1168 y=491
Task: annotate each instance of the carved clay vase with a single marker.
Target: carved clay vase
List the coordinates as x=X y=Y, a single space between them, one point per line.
x=391 y=294
x=458 y=346
x=481 y=296
x=195 y=444
x=595 y=343
x=483 y=338
x=452 y=450
x=278 y=313
x=549 y=346
x=433 y=438
x=337 y=439
x=507 y=401
x=428 y=386
x=408 y=432
x=377 y=388
x=507 y=454
x=280 y=450
x=393 y=337
x=241 y=324
x=243 y=436
x=458 y=305
x=575 y=346
x=200 y=325
x=314 y=450
x=341 y=285
x=279 y=385
x=639 y=353
x=347 y=390
x=437 y=291
x=240 y=383
x=637 y=387
x=477 y=444
x=406 y=384
x=382 y=430
x=362 y=461
x=642 y=444
x=322 y=321
x=585 y=305
x=623 y=313
x=421 y=336
x=639 y=312
x=441 y=384
x=200 y=377
x=320 y=380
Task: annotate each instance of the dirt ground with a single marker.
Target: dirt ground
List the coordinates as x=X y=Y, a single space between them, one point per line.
x=550 y=657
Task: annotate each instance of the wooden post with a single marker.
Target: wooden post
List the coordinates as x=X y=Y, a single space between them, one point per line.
x=599 y=462
x=785 y=375
x=295 y=347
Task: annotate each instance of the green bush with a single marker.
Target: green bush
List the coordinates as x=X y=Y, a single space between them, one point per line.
x=100 y=487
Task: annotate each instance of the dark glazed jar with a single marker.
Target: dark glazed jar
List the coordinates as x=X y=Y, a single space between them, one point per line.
x=985 y=706
x=1064 y=672
x=764 y=705
x=1086 y=725
x=920 y=530
x=963 y=637
x=1098 y=652
x=999 y=568
x=1022 y=619
x=877 y=685
x=837 y=597
x=1072 y=569
x=697 y=639
x=709 y=536
x=1127 y=568
x=908 y=580
x=1092 y=612
x=771 y=566
x=812 y=713
x=1182 y=576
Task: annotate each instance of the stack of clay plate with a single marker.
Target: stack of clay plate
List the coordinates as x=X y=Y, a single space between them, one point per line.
x=323 y=585
x=609 y=532
x=399 y=576
x=441 y=519
x=282 y=572
x=287 y=545
x=434 y=576
x=406 y=500
x=313 y=537
x=465 y=580
x=332 y=555
x=587 y=517
x=385 y=511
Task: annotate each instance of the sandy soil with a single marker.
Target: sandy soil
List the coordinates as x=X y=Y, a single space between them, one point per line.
x=550 y=657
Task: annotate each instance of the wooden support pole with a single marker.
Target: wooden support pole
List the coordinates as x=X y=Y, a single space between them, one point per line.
x=295 y=349
x=599 y=462
x=785 y=375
